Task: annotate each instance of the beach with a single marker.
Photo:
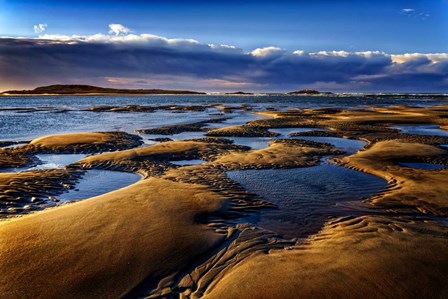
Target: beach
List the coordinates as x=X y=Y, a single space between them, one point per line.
x=193 y=224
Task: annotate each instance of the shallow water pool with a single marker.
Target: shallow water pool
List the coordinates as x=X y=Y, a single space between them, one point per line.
x=180 y=136
x=263 y=142
x=58 y=160
x=350 y=146
x=284 y=132
x=252 y=142
x=49 y=161
x=187 y=162
x=305 y=197
x=96 y=182
x=422 y=130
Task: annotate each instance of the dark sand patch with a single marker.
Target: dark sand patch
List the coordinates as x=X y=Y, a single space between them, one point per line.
x=176 y=129
x=241 y=131
x=34 y=190
x=155 y=159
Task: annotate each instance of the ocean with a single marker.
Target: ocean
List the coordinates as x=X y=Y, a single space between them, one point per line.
x=28 y=117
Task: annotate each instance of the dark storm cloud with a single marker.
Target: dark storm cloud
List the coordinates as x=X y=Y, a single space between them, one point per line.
x=60 y=59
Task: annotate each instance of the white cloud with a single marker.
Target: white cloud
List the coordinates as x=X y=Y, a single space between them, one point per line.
x=330 y=53
x=144 y=40
x=411 y=12
x=59 y=37
x=118 y=29
x=267 y=51
x=223 y=46
x=124 y=38
x=299 y=52
x=433 y=57
x=39 y=28
x=370 y=54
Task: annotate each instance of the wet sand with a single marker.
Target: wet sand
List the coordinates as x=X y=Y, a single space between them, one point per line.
x=176 y=232
x=106 y=245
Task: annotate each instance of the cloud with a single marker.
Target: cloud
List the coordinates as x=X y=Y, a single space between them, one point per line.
x=267 y=51
x=409 y=57
x=146 y=61
x=118 y=29
x=330 y=53
x=143 y=39
x=411 y=12
x=298 y=52
x=39 y=28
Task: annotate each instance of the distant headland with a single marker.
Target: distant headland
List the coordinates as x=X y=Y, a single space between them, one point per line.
x=239 y=93
x=309 y=92
x=60 y=89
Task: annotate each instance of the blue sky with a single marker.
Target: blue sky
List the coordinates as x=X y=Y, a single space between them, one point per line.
x=392 y=27
x=309 y=25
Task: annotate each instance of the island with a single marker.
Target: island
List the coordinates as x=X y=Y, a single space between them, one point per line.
x=63 y=89
x=304 y=91
x=239 y=93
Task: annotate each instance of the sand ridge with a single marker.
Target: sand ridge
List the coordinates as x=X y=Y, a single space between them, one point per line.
x=422 y=189
x=84 y=142
x=67 y=143
x=103 y=247
x=155 y=159
x=367 y=257
x=36 y=189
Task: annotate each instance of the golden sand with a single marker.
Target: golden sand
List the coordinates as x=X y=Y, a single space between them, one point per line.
x=425 y=190
x=171 y=230
x=365 y=257
x=104 y=246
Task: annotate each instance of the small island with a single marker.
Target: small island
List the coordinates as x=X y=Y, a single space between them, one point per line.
x=239 y=93
x=305 y=92
x=61 y=89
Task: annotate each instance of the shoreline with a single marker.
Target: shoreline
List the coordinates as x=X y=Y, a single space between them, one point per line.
x=336 y=95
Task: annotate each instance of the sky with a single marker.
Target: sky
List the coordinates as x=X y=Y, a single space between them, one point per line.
x=357 y=45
